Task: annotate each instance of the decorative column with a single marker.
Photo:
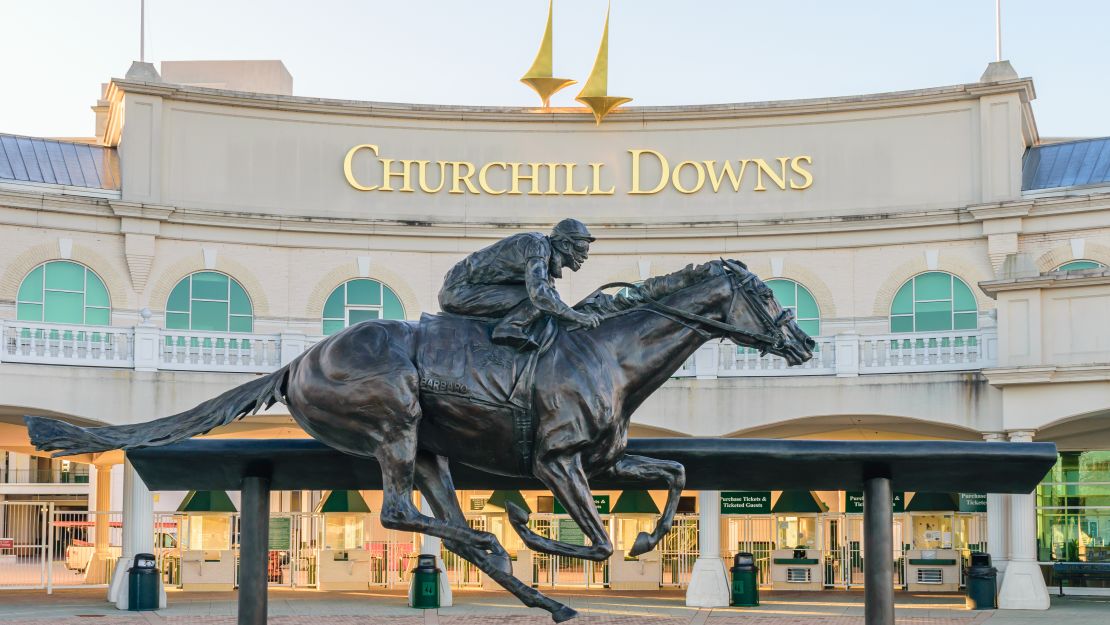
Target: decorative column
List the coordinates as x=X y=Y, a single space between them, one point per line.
x=709 y=586
x=433 y=545
x=1023 y=587
x=998 y=511
x=138 y=535
x=97 y=571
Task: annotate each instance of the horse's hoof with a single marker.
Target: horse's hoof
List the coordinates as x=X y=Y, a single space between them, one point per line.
x=564 y=613
x=642 y=545
x=516 y=514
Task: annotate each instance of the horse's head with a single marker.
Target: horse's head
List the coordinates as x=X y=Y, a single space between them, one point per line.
x=758 y=319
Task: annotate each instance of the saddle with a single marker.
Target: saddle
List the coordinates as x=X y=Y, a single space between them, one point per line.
x=455 y=356
x=458 y=362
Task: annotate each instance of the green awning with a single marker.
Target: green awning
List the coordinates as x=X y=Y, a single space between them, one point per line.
x=933 y=502
x=799 y=502
x=635 y=502
x=342 y=501
x=207 y=501
x=501 y=498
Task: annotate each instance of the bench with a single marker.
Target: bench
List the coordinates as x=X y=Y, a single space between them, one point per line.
x=1084 y=570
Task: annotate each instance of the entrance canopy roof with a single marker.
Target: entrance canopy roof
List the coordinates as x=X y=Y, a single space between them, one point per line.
x=798 y=502
x=711 y=464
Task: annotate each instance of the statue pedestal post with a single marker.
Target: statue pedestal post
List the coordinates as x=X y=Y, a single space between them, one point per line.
x=709 y=586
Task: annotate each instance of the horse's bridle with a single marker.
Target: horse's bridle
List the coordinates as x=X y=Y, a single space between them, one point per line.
x=773 y=337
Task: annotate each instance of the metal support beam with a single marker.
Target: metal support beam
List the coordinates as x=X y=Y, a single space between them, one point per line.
x=254 y=539
x=878 y=549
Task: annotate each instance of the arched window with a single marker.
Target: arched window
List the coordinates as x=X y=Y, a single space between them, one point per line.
x=1079 y=265
x=358 y=300
x=796 y=297
x=209 y=301
x=933 y=302
x=61 y=291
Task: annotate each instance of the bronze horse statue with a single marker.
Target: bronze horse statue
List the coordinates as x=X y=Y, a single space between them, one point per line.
x=361 y=391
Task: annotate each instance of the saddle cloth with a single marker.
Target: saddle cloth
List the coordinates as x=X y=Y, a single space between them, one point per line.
x=455 y=356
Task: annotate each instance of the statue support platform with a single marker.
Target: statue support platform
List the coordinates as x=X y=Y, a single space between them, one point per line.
x=878 y=468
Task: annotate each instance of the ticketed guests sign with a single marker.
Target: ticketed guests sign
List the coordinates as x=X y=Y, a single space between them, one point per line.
x=853 y=502
x=973 y=502
x=601 y=502
x=746 y=502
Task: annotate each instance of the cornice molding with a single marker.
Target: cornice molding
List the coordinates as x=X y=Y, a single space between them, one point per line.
x=634 y=115
x=739 y=230
x=1053 y=280
x=141 y=211
x=1002 y=210
x=1047 y=374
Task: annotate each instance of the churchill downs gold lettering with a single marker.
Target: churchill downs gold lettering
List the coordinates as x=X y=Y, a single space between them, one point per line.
x=649 y=172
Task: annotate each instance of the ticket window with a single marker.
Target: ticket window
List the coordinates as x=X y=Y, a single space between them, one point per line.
x=629 y=527
x=932 y=531
x=796 y=532
x=343 y=532
x=500 y=527
x=209 y=533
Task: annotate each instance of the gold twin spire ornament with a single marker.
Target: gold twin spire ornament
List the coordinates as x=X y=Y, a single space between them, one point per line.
x=539 y=76
x=594 y=94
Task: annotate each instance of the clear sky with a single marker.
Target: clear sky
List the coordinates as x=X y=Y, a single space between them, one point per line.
x=57 y=52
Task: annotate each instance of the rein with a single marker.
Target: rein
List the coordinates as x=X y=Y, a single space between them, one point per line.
x=769 y=339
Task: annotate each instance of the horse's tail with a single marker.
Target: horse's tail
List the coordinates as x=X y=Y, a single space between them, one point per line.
x=53 y=435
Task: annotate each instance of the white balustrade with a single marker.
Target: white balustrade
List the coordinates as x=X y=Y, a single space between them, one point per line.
x=58 y=344
x=745 y=361
x=151 y=349
x=927 y=351
x=851 y=354
x=183 y=350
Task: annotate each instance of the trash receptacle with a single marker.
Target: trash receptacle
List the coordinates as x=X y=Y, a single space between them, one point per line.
x=745 y=581
x=425 y=583
x=142 y=583
x=982 y=583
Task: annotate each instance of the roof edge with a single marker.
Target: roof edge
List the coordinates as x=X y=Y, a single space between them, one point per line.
x=636 y=114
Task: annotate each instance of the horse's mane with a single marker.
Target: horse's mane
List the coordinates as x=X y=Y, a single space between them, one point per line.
x=655 y=288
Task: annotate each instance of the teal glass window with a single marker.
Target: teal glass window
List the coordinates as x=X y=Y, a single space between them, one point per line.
x=934 y=302
x=1079 y=265
x=209 y=301
x=1073 y=509
x=62 y=291
x=792 y=295
x=359 y=300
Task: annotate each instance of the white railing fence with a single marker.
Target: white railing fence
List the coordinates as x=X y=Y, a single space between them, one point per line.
x=218 y=351
x=853 y=354
x=51 y=343
x=148 y=348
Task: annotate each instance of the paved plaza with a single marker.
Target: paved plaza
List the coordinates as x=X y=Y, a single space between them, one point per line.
x=87 y=607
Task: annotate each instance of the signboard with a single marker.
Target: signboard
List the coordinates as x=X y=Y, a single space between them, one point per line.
x=7 y=543
x=973 y=502
x=601 y=502
x=279 y=533
x=570 y=533
x=746 y=502
x=853 y=502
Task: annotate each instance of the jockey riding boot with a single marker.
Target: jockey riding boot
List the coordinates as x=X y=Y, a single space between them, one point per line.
x=513 y=329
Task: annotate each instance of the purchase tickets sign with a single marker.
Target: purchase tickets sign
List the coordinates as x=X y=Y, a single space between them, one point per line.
x=973 y=502
x=601 y=502
x=370 y=167
x=746 y=502
x=853 y=502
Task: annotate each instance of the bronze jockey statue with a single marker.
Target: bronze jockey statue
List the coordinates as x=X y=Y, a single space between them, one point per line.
x=514 y=279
